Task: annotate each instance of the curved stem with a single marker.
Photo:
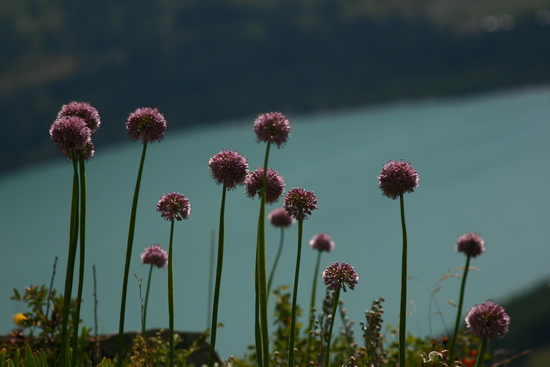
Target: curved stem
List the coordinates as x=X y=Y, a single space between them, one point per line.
x=73 y=242
x=214 y=326
x=171 y=296
x=403 y=304
x=459 y=310
x=276 y=262
x=329 y=336
x=481 y=353
x=131 y=230
x=76 y=317
x=144 y=320
x=294 y=297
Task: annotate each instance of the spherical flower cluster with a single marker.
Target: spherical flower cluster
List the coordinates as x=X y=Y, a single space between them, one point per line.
x=228 y=167
x=275 y=184
x=299 y=203
x=322 y=242
x=174 y=206
x=337 y=276
x=471 y=244
x=397 y=178
x=272 y=127
x=71 y=135
x=83 y=110
x=147 y=124
x=488 y=320
x=155 y=255
x=280 y=218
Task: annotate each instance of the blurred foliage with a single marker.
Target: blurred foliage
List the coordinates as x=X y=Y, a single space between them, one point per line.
x=204 y=60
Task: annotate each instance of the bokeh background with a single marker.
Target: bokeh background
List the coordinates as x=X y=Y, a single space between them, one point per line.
x=459 y=88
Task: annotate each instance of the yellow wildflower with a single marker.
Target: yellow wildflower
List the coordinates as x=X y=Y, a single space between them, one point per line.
x=19 y=319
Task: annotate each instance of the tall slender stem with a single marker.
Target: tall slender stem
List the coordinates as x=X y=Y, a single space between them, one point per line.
x=312 y=303
x=329 y=336
x=295 y=296
x=257 y=326
x=131 y=230
x=76 y=317
x=214 y=326
x=403 y=304
x=144 y=319
x=459 y=310
x=481 y=353
x=73 y=244
x=276 y=262
x=171 y=296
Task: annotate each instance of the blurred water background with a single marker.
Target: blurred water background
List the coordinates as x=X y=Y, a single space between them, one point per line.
x=483 y=166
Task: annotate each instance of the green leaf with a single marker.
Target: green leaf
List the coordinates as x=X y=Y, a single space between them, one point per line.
x=31 y=360
x=2 y=357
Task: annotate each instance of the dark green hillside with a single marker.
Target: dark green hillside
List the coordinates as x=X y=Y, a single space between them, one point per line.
x=203 y=60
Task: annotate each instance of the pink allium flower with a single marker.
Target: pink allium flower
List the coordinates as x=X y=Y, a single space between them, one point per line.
x=322 y=242
x=71 y=134
x=275 y=184
x=174 y=206
x=488 y=320
x=155 y=255
x=397 y=178
x=337 y=276
x=147 y=124
x=84 y=111
x=471 y=244
x=299 y=203
x=228 y=167
x=87 y=152
x=272 y=127
x=280 y=218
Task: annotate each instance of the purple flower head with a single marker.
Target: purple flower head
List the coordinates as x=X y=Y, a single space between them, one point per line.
x=84 y=111
x=471 y=244
x=71 y=134
x=488 y=320
x=87 y=152
x=275 y=184
x=397 y=178
x=272 y=127
x=174 y=206
x=299 y=203
x=337 y=276
x=147 y=124
x=280 y=218
x=322 y=242
x=228 y=167
x=155 y=255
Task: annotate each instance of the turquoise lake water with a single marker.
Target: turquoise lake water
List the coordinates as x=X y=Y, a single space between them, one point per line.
x=483 y=163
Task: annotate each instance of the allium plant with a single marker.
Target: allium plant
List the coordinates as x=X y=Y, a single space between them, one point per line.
x=396 y=179
x=72 y=131
x=299 y=204
x=278 y=218
x=321 y=242
x=486 y=321
x=149 y=125
x=275 y=185
x=229 y=169
x=471 y=245
x=336 y=276
x=173 y=206
x=272 y=128
x=155 y=256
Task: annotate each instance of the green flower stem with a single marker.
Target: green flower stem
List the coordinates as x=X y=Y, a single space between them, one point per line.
x=329 y=336
x=214 y=326
x=481 y=353
x=276 y=262
x=73 y=242
x=403 y=305
x=295 y=296
x=459 y=310
x=312 y=303
x=144 y=319
x=171 y=297
x=257 y=328
x=131 y=230
x=261 y=288
x=76 y=317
